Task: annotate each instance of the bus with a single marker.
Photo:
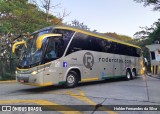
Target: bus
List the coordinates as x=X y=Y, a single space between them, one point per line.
x=64 y=55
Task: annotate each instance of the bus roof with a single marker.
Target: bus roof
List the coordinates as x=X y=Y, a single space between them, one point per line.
x=98 y=35
x=43 y=29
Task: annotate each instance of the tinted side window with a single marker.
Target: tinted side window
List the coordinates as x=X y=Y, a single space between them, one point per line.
x=138 y=51
x=79 y=42
x=121 y=49
x=96 y=44
x=153 y=55
x=52 y=49
x=66 y=34
x=106 y=46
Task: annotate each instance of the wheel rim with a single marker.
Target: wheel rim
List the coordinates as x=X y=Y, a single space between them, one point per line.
x=133 y=74
x=128 y=75
x=70 y=79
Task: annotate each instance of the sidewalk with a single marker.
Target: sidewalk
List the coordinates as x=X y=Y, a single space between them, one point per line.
x=154 y=76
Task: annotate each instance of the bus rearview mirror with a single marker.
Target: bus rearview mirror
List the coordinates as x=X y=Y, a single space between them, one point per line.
x=42 y=37
x=18 y=43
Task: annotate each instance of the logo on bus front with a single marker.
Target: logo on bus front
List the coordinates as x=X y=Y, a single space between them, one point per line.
x=88 y=60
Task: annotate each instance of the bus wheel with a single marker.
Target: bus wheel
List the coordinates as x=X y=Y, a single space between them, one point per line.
x=128 y=75
x=71 y=80
x=133 y=74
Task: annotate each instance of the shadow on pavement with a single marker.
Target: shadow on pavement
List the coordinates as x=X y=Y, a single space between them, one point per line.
x=37 y=90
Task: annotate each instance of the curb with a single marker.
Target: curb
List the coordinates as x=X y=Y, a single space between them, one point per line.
x=158 y=77
x=8 y=81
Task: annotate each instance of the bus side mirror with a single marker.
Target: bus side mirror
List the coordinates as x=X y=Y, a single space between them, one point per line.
x=18 y=43
x=42 y=37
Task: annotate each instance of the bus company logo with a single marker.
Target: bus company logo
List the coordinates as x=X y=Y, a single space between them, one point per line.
x=88 y=60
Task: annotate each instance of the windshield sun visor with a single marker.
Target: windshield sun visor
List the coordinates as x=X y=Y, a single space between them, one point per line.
x=40 y=39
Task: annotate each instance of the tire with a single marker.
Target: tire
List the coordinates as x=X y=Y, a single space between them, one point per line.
x=128 y=75
x=133 y=74
x=72 y=79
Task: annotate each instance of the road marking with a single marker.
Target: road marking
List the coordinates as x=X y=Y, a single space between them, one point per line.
x=9 y=81
x=42 y=102
x=81 y=96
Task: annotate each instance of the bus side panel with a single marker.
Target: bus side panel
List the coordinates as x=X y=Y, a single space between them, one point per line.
x=106 y=65
x=137 y=65
x=118 y=64
x=52 y=74
x=123 y=65
x=85 y=61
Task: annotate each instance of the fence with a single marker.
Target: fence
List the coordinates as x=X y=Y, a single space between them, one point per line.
x=7 y=68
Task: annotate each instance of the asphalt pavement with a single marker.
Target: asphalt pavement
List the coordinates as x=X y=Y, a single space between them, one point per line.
x=101 y=95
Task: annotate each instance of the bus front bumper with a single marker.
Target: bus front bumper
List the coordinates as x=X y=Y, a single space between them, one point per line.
x=29 y=79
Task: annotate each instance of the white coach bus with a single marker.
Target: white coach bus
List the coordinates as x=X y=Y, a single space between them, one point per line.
x=67 y=55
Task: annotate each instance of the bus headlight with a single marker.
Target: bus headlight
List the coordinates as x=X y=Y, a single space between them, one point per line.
x=34 y=72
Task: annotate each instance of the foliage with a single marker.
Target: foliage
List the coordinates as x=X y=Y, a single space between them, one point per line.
x=81 y=25
x=19 y=16
x=148 y=35
x=16 y=18
x=155 y=3
x=119 y=37
x=152 y=33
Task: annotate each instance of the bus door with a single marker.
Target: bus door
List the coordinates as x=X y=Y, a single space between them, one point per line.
x=51 y=54
x=118 y=64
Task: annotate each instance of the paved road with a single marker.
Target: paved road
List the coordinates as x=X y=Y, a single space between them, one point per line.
x=143 y=90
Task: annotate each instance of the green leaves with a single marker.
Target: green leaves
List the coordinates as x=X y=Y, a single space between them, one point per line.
x=155 y=3
x=19 y=16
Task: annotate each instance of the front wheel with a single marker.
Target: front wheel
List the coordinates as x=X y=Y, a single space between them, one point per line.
x=128 y=75
x=71 y=80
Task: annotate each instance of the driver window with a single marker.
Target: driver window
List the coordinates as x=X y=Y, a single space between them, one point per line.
x=51 y=51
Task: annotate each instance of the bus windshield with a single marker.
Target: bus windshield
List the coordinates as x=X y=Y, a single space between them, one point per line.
x=31 y=56
x=52 y=48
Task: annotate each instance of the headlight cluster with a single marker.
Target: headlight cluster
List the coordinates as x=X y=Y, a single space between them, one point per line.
x=28 y=71
x=34 y=72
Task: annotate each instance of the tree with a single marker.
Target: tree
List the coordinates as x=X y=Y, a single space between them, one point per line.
x=48 y=8
x=16 y=18
x=152 y=33
x=117 y=36
x=76 y=23
x=155 y=3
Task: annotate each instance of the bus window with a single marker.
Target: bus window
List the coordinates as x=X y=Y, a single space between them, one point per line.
x=67 y=35
x=153 y=55
x=95 y=44
x=79 y=42
x=52 y=50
